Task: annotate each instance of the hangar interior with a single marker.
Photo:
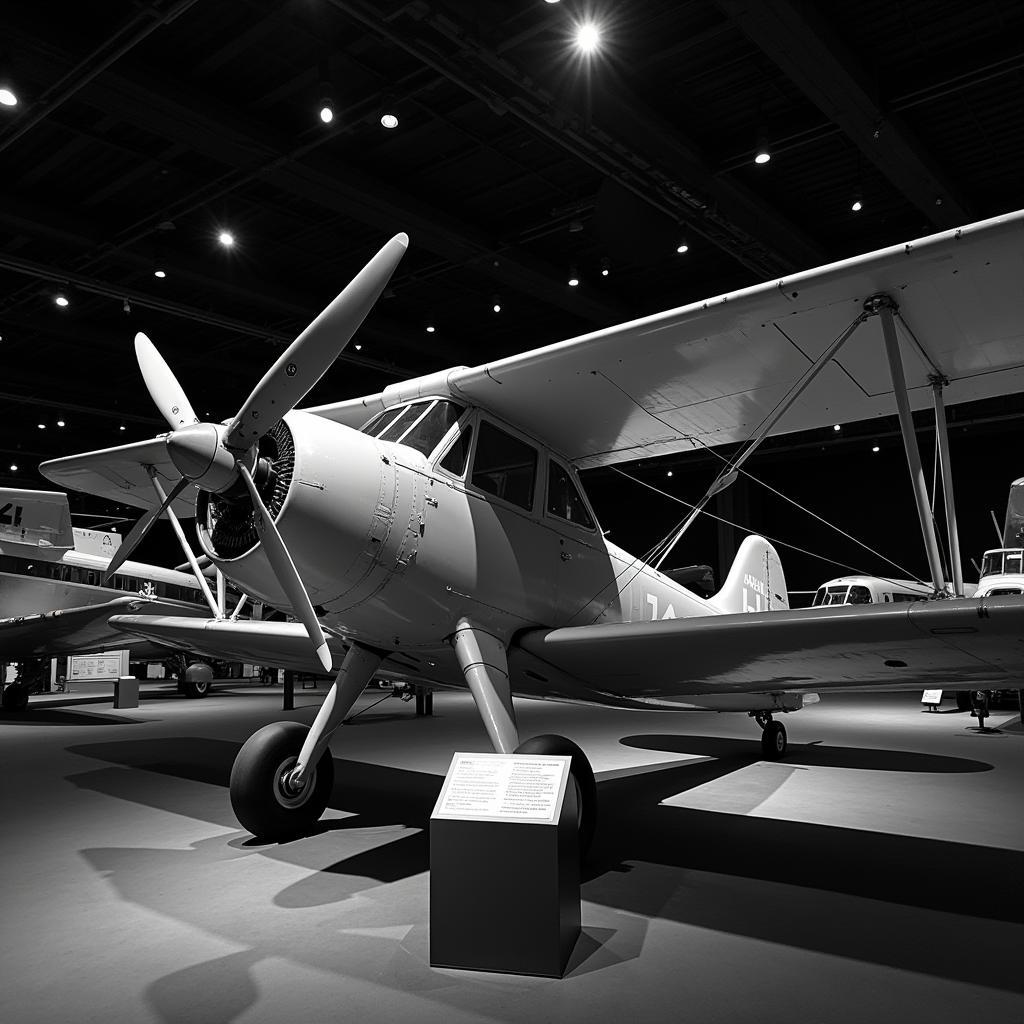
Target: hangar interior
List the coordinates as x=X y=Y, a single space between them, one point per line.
x=212 y=174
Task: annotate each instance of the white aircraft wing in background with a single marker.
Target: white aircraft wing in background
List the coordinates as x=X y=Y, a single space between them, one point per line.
x=708 y=373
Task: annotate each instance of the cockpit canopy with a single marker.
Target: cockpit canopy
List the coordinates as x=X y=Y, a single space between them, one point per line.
x=420 y=425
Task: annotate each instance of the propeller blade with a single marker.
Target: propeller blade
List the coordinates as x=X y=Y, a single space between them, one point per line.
x=140 y=529
x=310 y=355
x=167 y=394
x=284 y=569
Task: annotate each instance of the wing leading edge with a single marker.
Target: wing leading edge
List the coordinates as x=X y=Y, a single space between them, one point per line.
x=953 y=644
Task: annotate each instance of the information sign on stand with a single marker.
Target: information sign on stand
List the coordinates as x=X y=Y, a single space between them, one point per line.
x=504 y=865
x=933 y=698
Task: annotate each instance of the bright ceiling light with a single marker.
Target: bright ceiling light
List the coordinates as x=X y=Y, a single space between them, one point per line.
x=857 y=205
x=7 y=98
x=41 y=426
x=122 y=427
x=431 y=328
x=496 y=303
x=326 y=112
x=588 y=37
x=358 y=347
x=683 y=246
x=61 y=300
x=606 y=266
x=226 y=239
x=389 y=120
x=762 y=156
x=160 y=273
x=837 y=427
x=669 y=473
x=574 y=277
x=14 y=467
x=60 y=423
x=875 y=448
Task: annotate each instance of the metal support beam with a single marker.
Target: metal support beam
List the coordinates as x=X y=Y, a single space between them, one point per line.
x=942 y=439
x=884 y=307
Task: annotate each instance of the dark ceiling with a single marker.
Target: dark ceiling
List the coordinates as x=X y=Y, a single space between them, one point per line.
x=146 y=128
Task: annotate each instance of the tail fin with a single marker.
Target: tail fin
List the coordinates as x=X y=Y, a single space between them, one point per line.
x=40 y=518
x=756 y=582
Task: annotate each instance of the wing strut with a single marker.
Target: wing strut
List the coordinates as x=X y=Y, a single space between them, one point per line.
x=938 y=383
x=730 y=470
x=883 y=306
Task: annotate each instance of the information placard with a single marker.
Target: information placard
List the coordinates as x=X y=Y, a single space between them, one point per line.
x=503 y=787
x=96 y=668
x=932 y=697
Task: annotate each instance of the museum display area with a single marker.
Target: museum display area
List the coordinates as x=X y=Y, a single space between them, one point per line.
x=872 y=875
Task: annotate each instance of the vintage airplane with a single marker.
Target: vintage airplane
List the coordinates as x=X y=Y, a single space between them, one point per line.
x=54 y=599
x=439 y=528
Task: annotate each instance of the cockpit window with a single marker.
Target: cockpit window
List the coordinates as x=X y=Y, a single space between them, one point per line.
x=564 y=500
x=379 y=422
x=859 y=595
x=426 y=434
x=505 y=466
x=457 y=456
x=401 y=423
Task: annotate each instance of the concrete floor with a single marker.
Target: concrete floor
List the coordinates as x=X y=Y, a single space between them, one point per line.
x=873 y=876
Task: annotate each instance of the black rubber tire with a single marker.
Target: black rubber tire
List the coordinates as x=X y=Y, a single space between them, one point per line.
x=15 y=698
x=197 y=680
x=582 y=773
x=773 y=741
x=963 y=700
x=259 y=803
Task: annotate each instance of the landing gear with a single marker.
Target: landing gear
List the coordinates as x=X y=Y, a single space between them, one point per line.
x=263 y=796
x=582 y=775
x=196 y=680
x=15 y=697
x=773 y=736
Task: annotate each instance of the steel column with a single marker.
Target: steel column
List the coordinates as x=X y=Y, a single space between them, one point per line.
x=942 y=436
x=883 y=305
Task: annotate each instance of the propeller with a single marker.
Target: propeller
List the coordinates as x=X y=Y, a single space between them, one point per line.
x=215 y=457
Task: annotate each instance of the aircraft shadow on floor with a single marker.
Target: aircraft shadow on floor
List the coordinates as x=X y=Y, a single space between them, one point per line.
x=809 y=754
x=60 y=716
x=908 y=902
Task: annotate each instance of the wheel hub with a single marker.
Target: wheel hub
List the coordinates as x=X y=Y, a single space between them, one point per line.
x=289 y=793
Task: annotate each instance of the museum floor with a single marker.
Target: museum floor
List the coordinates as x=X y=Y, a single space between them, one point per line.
x=875 y=875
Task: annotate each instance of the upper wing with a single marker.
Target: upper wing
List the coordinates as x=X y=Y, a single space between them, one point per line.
x=712 y=370
x=955 y=644
x=72 y=630
x=120 y=474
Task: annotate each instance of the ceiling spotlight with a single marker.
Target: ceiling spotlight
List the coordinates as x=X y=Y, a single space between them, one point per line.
x=496 y=303
x=875 y=448
x=14 y=467
x=431 y=328
x=358 y=347
x=160 y=273
x=588 y=37
x=41 y=426
x=126 y=306
x=121 y=427
x=60 y=423
x=7 y=97
x=61 y=300
x=326 y=111
x=226 y=239
x=762 y=156
x=669 y=473
x=837 y=427
x=389 y=120
x=574 y=277
x=857 y=205
x=683 y=246
x=606 y=266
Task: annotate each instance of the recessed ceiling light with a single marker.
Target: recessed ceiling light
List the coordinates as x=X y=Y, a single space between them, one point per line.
x=61 y=300
x=762 y=156
x=837 y=427
x=431 y=329
x=326 y=112
x=226 y=239
x=14 y=467
x=358 y=347
x=41 y=426
x=160 y=273
x=669 y=473
x=857 y=205
x=875 y=448
x=60 y=423
x=588 y=37
x=683 y=246
x=574 y=277
x=7 y=97
x=121 y=427
x=606 y=266
x=389 y=120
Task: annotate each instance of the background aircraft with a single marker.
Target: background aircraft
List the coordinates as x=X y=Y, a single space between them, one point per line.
x=54 y=600
x=440 y=525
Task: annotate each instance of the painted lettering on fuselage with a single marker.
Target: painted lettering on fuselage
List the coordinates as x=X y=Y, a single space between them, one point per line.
x=652 y=600
x=10 y=514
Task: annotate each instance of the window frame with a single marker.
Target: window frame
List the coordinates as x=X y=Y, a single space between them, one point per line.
x=575 y=481
x=471 y=466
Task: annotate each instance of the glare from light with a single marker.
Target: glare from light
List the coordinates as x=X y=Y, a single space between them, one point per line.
x=837 y=427
x=857 y=205
x=875 y=448
x=762 y=156
x=160 y=273
x=61 y=300
x=389 y=121
x=431 y=328
x=327 y=113
x=7 y=98
x=226 y=239
x=588 y=37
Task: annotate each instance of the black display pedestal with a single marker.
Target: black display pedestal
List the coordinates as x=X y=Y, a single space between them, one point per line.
x=505 y=895
x=126 y=692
